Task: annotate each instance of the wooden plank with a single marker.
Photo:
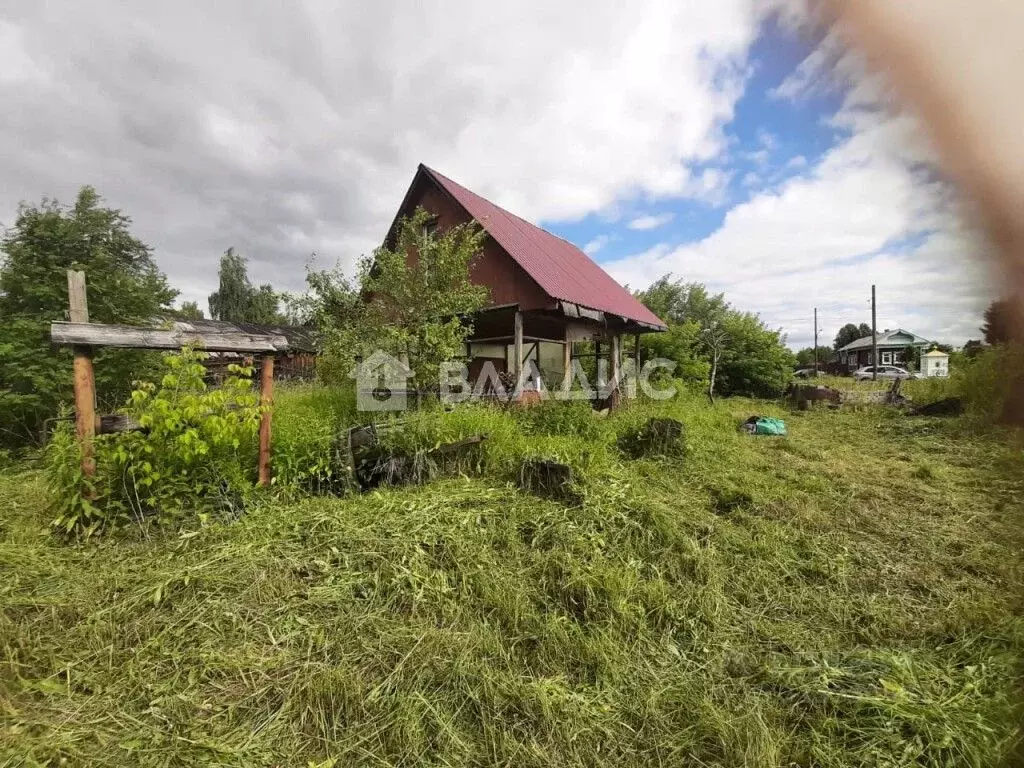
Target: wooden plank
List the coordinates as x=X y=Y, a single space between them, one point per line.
x=132 y=337
x=77 y=302
x=267 y=403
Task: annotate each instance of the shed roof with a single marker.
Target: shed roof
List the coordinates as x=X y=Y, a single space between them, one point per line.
x=935 y=353
x=561 y=269
x=887 y=339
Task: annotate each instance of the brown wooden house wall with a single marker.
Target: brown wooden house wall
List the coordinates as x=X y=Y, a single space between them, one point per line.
x=508 y=282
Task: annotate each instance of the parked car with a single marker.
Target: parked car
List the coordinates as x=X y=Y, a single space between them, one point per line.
x=806 y=373
x=887 y=372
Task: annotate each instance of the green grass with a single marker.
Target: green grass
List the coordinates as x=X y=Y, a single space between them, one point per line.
x=844 y=596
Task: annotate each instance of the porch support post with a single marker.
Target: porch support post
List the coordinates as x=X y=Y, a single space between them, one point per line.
x=567 y=361
x=636 y=355
x=517 y=343
x=597 y=365
x=616 y=361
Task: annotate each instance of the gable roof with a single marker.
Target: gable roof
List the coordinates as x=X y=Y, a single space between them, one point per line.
x=561 y=269
x=886 y=339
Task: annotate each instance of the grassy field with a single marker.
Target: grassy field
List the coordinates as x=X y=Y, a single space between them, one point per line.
x=845 y=596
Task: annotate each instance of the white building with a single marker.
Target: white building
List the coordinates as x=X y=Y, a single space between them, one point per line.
x=935 y=363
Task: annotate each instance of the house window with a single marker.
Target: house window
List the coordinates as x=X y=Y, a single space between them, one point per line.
x=430 y=226
x=887 y=358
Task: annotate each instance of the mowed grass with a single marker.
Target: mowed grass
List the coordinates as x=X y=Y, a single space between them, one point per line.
x=845 y=596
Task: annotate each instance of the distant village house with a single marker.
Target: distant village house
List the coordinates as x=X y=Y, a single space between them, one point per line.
x=892 y=349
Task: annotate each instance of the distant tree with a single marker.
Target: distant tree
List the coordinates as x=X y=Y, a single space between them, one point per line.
x=713 y=339
x=805 y=357
x=677 y=302
x=263 y=306
x=732 y=352
x=414 y=309
x=680 y=343
x=972 y=348
x=124 y=286
x=912 y=358
x=236 y=300
x=851 y=332
x=189 y=311
x=1001 y=322
x=231 y=299
x=756 y=360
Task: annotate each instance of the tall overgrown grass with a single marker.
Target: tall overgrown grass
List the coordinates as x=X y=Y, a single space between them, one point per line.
x=817 y=600
x=986 y=383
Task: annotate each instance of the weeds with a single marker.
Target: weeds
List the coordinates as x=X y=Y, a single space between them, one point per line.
x=803 y=601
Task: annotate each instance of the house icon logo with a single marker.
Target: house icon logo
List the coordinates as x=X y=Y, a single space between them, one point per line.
x=382 y=383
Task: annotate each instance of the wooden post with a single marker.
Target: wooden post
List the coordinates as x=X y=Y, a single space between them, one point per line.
x=636 y=353
x=616 y=362
x=84 y=378
x=267 y=402
x=598 y=384
x=567 y=362
x=517 y=343
x=874 y=339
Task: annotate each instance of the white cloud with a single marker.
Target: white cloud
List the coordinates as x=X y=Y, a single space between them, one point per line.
x=797 y=161
x=596 y=244
x=651 y=222
x=866 y=213
x=203 y=120
x=751 y=179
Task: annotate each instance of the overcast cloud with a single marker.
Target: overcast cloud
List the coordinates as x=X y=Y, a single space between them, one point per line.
x=284 y=129
x=287 y=129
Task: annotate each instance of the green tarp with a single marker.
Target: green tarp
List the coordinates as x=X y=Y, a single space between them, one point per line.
x=765 y=425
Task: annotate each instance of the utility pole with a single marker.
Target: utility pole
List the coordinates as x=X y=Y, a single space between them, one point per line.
x=815 y=342
x=874 y=339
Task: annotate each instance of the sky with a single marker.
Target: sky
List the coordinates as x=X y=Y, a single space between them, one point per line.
x=726 y=142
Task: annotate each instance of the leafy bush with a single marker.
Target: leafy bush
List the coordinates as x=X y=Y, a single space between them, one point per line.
x=195 y=454
x=572 y=418
x=125 y=286
x=309 y=422
x=989 y=384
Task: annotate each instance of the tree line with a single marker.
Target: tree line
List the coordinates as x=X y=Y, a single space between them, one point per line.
x=125 y=286
x=420 y=311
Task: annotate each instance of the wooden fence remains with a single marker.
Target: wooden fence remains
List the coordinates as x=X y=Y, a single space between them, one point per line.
x=83 y=336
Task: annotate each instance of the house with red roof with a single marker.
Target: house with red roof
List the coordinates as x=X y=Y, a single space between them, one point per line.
x=546 y=295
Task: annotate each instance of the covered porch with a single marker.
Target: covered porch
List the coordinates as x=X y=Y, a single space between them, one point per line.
x=542 y=344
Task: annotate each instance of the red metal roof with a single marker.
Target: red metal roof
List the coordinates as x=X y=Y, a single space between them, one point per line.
x=561 y=269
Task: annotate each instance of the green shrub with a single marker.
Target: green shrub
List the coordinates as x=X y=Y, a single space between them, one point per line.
x=195 y=454
x=572 y=418
x=309 y=423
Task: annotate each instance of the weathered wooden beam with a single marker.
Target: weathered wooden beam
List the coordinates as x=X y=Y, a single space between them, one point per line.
x=84 y=379
x=267 y=403
x=517 y=343
x=87 y=334
x=567 y=362
x=117 y=422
